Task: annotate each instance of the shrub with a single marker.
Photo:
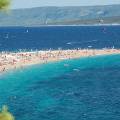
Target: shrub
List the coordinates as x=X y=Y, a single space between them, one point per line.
x=5 y=115
x=4 y=4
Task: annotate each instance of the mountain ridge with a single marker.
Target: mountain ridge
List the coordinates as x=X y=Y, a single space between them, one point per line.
x=64 y=15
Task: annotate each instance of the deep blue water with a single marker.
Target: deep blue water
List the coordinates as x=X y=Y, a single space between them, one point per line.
x=86 y=89
x=15 y=38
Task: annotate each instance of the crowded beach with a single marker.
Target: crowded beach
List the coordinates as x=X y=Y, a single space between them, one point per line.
x=13 y=60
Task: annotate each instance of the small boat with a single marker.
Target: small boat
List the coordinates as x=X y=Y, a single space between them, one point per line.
x=89 y=46
x=76 y=70
x=27 y=31
x=69 y=43
x=113 y=47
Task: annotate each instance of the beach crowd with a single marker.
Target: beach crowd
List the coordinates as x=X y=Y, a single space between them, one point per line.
x=13 y=60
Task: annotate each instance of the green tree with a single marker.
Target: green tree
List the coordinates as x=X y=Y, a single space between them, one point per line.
x=4 y=4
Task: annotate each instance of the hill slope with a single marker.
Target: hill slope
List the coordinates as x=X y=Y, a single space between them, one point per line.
x=61 y=16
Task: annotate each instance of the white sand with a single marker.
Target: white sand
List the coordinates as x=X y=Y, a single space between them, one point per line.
x=16 y=60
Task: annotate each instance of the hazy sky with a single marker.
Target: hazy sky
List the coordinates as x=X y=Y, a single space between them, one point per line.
x=37 y=3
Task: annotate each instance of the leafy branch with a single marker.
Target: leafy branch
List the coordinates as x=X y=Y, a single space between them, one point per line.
x=4 y=4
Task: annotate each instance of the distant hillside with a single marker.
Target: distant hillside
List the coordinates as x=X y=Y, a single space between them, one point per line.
x=109 y=14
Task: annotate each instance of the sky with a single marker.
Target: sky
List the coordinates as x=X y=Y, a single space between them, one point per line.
x=37 y=3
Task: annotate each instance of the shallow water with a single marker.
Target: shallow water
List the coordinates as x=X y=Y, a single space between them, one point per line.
x=79 y=89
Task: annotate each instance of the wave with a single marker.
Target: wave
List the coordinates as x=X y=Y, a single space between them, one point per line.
x=71 y=43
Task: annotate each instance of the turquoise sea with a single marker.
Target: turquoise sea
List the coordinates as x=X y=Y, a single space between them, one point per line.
x=79 y=89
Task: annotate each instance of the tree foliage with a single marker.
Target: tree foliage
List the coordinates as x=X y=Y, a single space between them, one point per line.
x=5 y=115
x=4 y=4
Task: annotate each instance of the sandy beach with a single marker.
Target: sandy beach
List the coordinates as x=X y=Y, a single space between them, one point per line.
x=11 y=60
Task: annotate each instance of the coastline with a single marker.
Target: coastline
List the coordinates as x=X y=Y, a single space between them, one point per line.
x=60 y=25
x=12 y=60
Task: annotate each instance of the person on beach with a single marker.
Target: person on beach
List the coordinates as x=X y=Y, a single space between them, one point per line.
x=3 y=69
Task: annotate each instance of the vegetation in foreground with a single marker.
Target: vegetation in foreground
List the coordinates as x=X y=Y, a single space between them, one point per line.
x=4 y=4
x=5 y=114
